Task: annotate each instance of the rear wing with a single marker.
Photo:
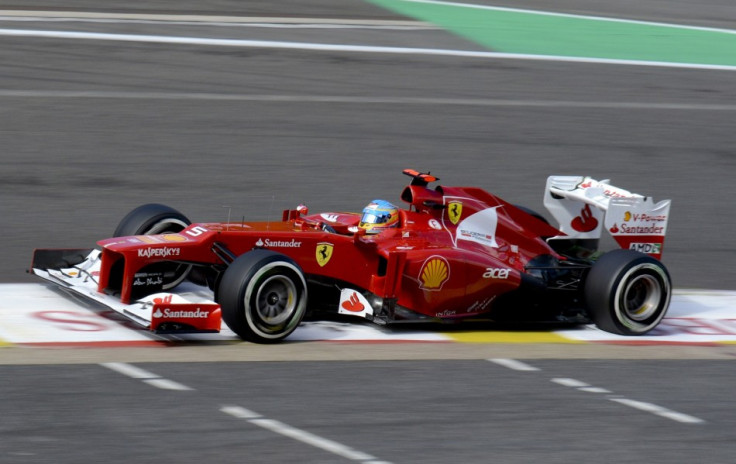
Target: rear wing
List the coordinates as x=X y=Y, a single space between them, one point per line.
x=584 y=206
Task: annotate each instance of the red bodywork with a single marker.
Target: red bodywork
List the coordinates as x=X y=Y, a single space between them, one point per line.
x=456 y=249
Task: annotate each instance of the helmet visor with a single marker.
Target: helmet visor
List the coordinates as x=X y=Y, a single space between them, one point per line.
x=372 y=217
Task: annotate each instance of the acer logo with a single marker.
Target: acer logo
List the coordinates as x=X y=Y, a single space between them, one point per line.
x=496 y=273
x=586 y=222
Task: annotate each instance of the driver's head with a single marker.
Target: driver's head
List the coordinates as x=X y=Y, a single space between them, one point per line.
x=379 y=215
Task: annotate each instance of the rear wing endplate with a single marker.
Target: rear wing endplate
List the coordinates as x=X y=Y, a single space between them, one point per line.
x=584 y=206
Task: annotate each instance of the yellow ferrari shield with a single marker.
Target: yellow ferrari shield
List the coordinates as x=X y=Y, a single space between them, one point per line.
x=454 y=211
x=324 y=253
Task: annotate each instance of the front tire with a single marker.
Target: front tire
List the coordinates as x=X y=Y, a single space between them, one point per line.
x=153 y=219
x=263 y=296
x=627 y=292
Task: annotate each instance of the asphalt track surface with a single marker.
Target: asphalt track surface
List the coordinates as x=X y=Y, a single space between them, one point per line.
x=93 y=128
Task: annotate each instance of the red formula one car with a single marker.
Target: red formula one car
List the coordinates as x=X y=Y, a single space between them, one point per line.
x=453 y=253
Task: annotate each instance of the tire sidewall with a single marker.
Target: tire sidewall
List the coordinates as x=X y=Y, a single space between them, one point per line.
x=238 y=290
x=647 y=324
x=606 y=286
x=142 y=220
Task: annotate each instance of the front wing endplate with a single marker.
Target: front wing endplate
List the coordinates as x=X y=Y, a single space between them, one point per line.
x=190 y=309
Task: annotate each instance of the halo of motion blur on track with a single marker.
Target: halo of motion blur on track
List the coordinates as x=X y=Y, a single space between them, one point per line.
x=455 y=253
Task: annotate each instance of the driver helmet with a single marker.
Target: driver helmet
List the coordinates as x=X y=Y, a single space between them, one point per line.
x=379 y=215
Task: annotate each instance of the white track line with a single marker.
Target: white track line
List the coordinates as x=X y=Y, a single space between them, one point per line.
x=206 y=20
x=166 y=384
x=71 y=35
x=659 y=411
x=640 y=405
x=513 y=364
x=147 y=377
x=572 y=383
x=582 y=386
x=240 y=412
x=586 y=387
x=300 y=435
x=130 y=371
x=594 y=390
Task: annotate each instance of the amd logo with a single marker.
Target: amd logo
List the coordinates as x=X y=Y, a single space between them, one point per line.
x=646 y=247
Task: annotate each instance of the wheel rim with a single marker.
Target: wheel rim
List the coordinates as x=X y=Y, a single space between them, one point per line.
x=642 y=300
x=642 y=297
x=168 y=225
x=276 y=300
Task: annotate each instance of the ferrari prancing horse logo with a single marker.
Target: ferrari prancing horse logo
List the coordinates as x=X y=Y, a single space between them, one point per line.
x=324 y=253
x=454 y=211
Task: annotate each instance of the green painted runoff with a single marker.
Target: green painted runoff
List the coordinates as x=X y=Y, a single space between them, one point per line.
x=536 y=33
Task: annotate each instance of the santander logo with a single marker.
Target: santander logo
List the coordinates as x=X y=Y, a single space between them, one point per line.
x=586 y=222
x=168 y=313
x=353 y=304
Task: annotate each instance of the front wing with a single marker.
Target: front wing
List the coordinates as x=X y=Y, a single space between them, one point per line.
x=189 y=310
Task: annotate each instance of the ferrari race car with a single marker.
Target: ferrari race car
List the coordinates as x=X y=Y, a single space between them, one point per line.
x=454 y=253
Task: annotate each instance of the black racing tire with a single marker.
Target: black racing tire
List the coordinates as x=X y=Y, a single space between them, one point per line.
x=152 y=219
x=627 y=292
x=535 y=215
x=263 y=296
x=532 y=213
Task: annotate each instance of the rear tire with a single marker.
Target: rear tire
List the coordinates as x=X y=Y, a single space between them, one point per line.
x=627 y=292
x=152 y=219
x=532 y=213
x=263 y=296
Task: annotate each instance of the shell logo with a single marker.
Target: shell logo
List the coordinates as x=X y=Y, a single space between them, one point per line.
x=434 y=273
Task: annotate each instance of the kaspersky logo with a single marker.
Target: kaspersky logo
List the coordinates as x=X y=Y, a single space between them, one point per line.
x=164 y=252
